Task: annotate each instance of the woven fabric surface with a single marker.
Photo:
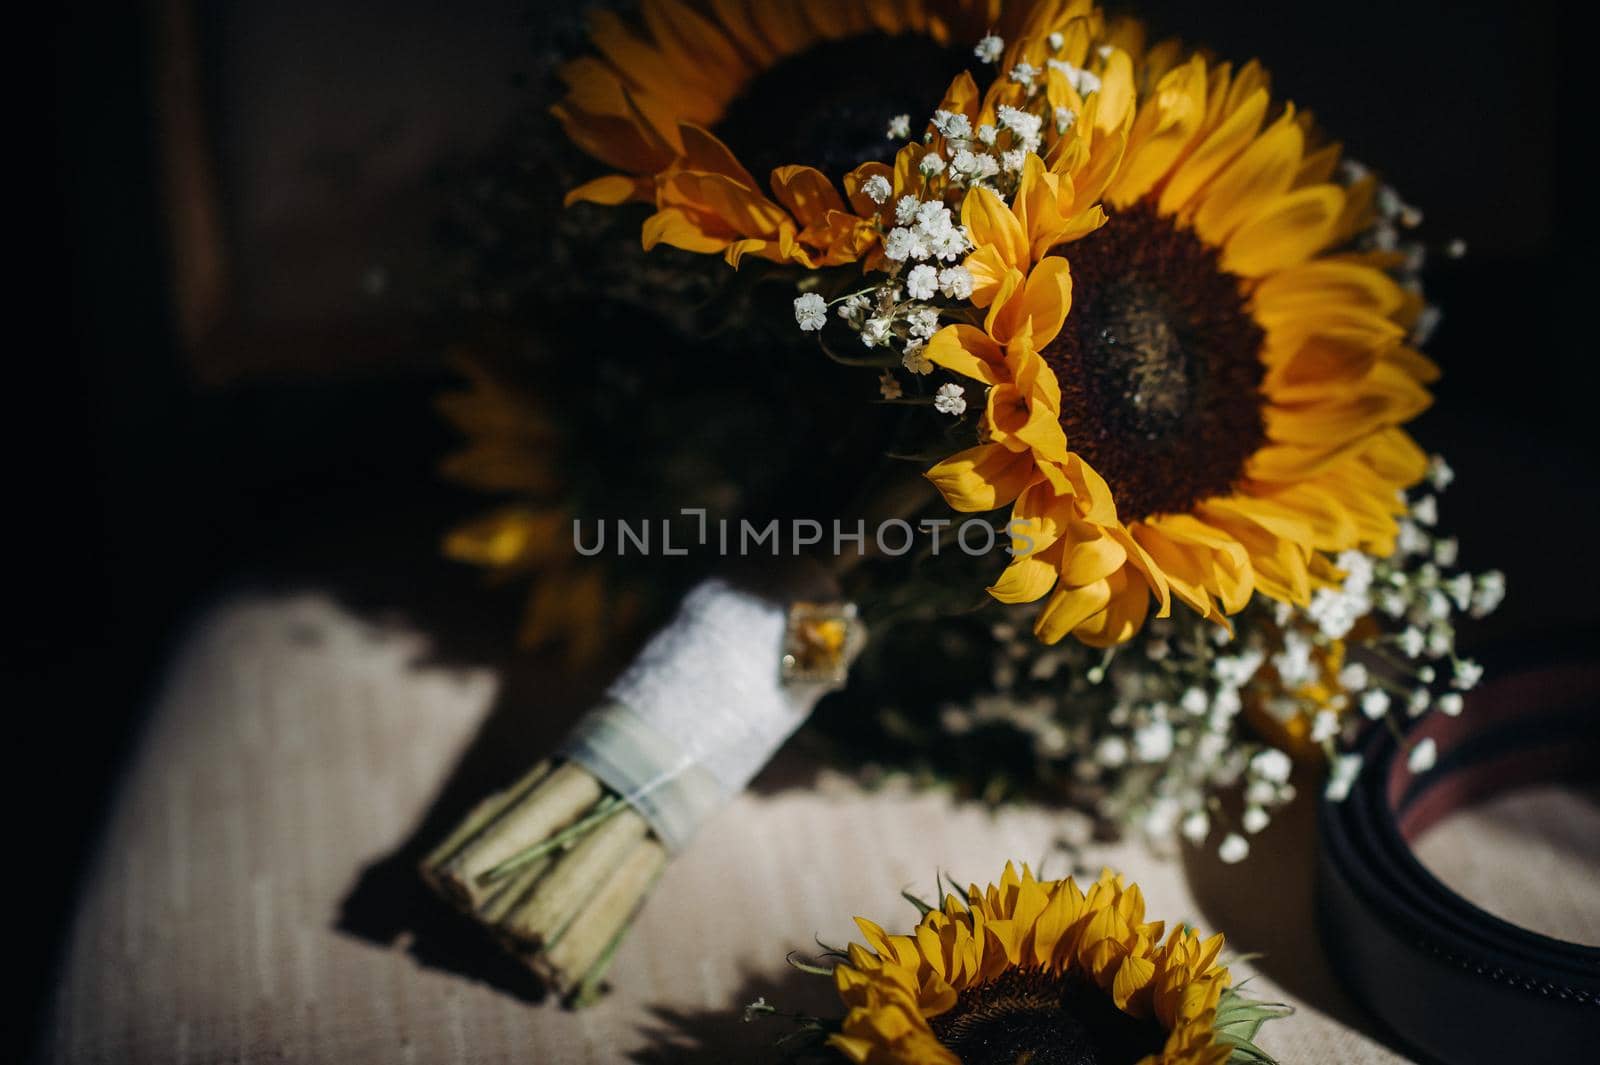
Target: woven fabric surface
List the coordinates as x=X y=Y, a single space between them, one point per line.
x=254 y=898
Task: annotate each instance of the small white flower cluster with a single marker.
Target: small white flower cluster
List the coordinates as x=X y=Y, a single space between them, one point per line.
x=899 y=314
x=1082 y=81
x=926 y=230
x=990 y=156
x=810 y=312
x=923 y=239
x=1410 y=666
x=1147 y=737
x=1150 y=734
x=993 y=154
x=1393 y=222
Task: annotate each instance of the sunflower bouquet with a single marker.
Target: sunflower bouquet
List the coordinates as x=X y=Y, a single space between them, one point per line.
x=1073 y=368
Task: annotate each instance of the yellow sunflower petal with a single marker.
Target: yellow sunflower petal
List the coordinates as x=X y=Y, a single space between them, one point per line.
x=1262 y=172
x=968 y=351
x=982 y=478
x=991 y=224
x=1288 y=231
x=1068 y=608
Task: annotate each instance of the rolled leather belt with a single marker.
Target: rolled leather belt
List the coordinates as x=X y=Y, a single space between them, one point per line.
x=1454 y=983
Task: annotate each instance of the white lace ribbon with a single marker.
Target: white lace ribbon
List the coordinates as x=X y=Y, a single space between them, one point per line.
x=698 y=713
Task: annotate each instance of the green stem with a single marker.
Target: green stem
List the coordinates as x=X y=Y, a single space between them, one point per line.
x=611 y=804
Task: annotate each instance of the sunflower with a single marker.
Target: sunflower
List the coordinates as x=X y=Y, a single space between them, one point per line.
x=696 y=104
x=1031 y=970
x=1232 y=376
x=510 y=450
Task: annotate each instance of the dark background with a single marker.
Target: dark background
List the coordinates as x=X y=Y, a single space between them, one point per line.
x=300 y=446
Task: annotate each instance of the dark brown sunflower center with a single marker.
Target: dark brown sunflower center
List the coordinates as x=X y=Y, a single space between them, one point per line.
x=829 y=105
x=1159 y=364
x=1043 y=1019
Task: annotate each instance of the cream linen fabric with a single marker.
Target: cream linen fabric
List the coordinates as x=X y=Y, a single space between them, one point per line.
x=253 y=897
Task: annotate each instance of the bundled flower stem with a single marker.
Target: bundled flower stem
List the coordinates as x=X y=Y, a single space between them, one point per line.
x=554 y=867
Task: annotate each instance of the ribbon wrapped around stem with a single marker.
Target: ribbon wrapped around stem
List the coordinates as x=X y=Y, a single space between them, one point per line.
x=556 y=866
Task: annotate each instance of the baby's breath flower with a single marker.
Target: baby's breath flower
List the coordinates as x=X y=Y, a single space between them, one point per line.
x=1233 y=849
x=932 y=163
x=916 y=359
x=889 y=386
x=905 y=210
x=951 y=400
x=1065 y=117
x=854 y=308
x=955 y=282
x=1490 y=591
x=964 y=165
x=950 y=243
x=987 y=134
x=1293 y=663
x=1056 y=41
x=1211 y=748
x=1324 y=726
x=1427 y=324
x=1353 y=677
x=1261 y=791
x=1196 y=826
x=1024 y=74
x=1153 y=742
x=1341 y=775
x=1426 y=510
x=1412 y=540
x=875 y=332
x=900 y=242
x=1451 y=703
x=1235 y=671
x=1375 y=703
x=1423 y=755
x=922 y=282
x=1255 y=819
x=1111 y=751
x=877 y=188
x=1272 y=764
x=1439 y=473
x=1438 y=605
x=1467 y=674
x=933 y=216
x=1082 y=80
x=1024 y=126
x=810 y=311
x=952 y=124
x=1447 y=551
x=990 y=49
x=923 y=323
